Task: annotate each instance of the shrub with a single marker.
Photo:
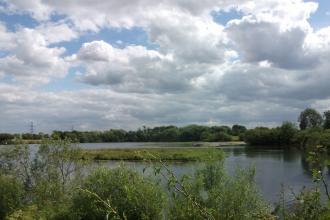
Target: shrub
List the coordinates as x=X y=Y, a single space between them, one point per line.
x=11 y=195
x=222 y=136
x=237 y=197
x=221 y=195
x=306 y=205
x=128 y=193
x=261 y=136
x=283 y=135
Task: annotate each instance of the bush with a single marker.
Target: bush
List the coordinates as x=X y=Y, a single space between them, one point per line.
x=128 y=193
x=306 y=205
x=261 y=136
x=308 y=139
x=237 y=197
x=222 y=136
x=6 y=138
x=283 y=135
x=48 y=176
x=223 y=196
x=11 y=195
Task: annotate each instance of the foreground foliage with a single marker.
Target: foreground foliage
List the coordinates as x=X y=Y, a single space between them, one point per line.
x=223 y=196
x=128 y=194
x=52 y=182
x=53 y=186
x=11 y=195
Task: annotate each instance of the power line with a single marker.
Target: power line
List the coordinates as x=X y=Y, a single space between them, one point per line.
x=31 y=127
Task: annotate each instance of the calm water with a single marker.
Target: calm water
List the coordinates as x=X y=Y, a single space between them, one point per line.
x=274 y=167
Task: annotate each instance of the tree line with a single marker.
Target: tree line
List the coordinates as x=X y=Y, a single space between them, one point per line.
x=163 y=133
x=311 y=125
x=313 y=129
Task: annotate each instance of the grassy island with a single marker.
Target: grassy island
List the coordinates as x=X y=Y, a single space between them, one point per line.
x=177 y=154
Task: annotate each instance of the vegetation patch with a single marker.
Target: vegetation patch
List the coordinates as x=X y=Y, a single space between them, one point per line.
x=178 y=154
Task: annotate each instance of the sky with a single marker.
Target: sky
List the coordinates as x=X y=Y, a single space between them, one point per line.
x=96 y=65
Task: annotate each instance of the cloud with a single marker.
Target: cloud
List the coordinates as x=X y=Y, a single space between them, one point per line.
x=56 y=32
x=261 y=68
x=131 y=69
x=136 y=69
x=197 y=39
x=319 y=42
x=275 y=32
x=81 y=109
x=92 y=15
x=31 y=61
x=255 y=41
x=6 y=38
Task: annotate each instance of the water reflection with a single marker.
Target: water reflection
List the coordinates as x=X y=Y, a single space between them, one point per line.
x=306 y=166
x=287 y=155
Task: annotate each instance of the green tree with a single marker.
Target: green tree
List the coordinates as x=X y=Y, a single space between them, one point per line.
x=262 y=136
x=326 y=116
x=6 y=138
x=58 y=159
x=286 y=133
x=309 y=118
x=17 y=161
x=171 y=133
x=192 y=132
x=238 y=129
x=47 y=173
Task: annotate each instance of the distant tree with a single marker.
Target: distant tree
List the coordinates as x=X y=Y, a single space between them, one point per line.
x=238 y=129
x=309 y=118
x=170 y=134
x=207 y=136
x=192 y=132
x=222 y=136
x=5 y=138
x=262 y=136
x=286 y=133
x=326 y=116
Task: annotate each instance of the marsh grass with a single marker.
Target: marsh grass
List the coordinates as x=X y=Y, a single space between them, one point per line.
x=169 y=154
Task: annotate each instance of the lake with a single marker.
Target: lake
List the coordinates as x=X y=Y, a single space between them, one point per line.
x=274 y=166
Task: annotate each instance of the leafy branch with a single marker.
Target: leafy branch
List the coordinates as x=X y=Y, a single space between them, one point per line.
x=106 y=203
x=175 y=183
x=315 y=157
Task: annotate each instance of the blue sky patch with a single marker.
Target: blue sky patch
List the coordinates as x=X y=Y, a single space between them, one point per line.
x=68 y=83
x=117 y=37
x=222 y=17
x=14 y=21
x=321 y=18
